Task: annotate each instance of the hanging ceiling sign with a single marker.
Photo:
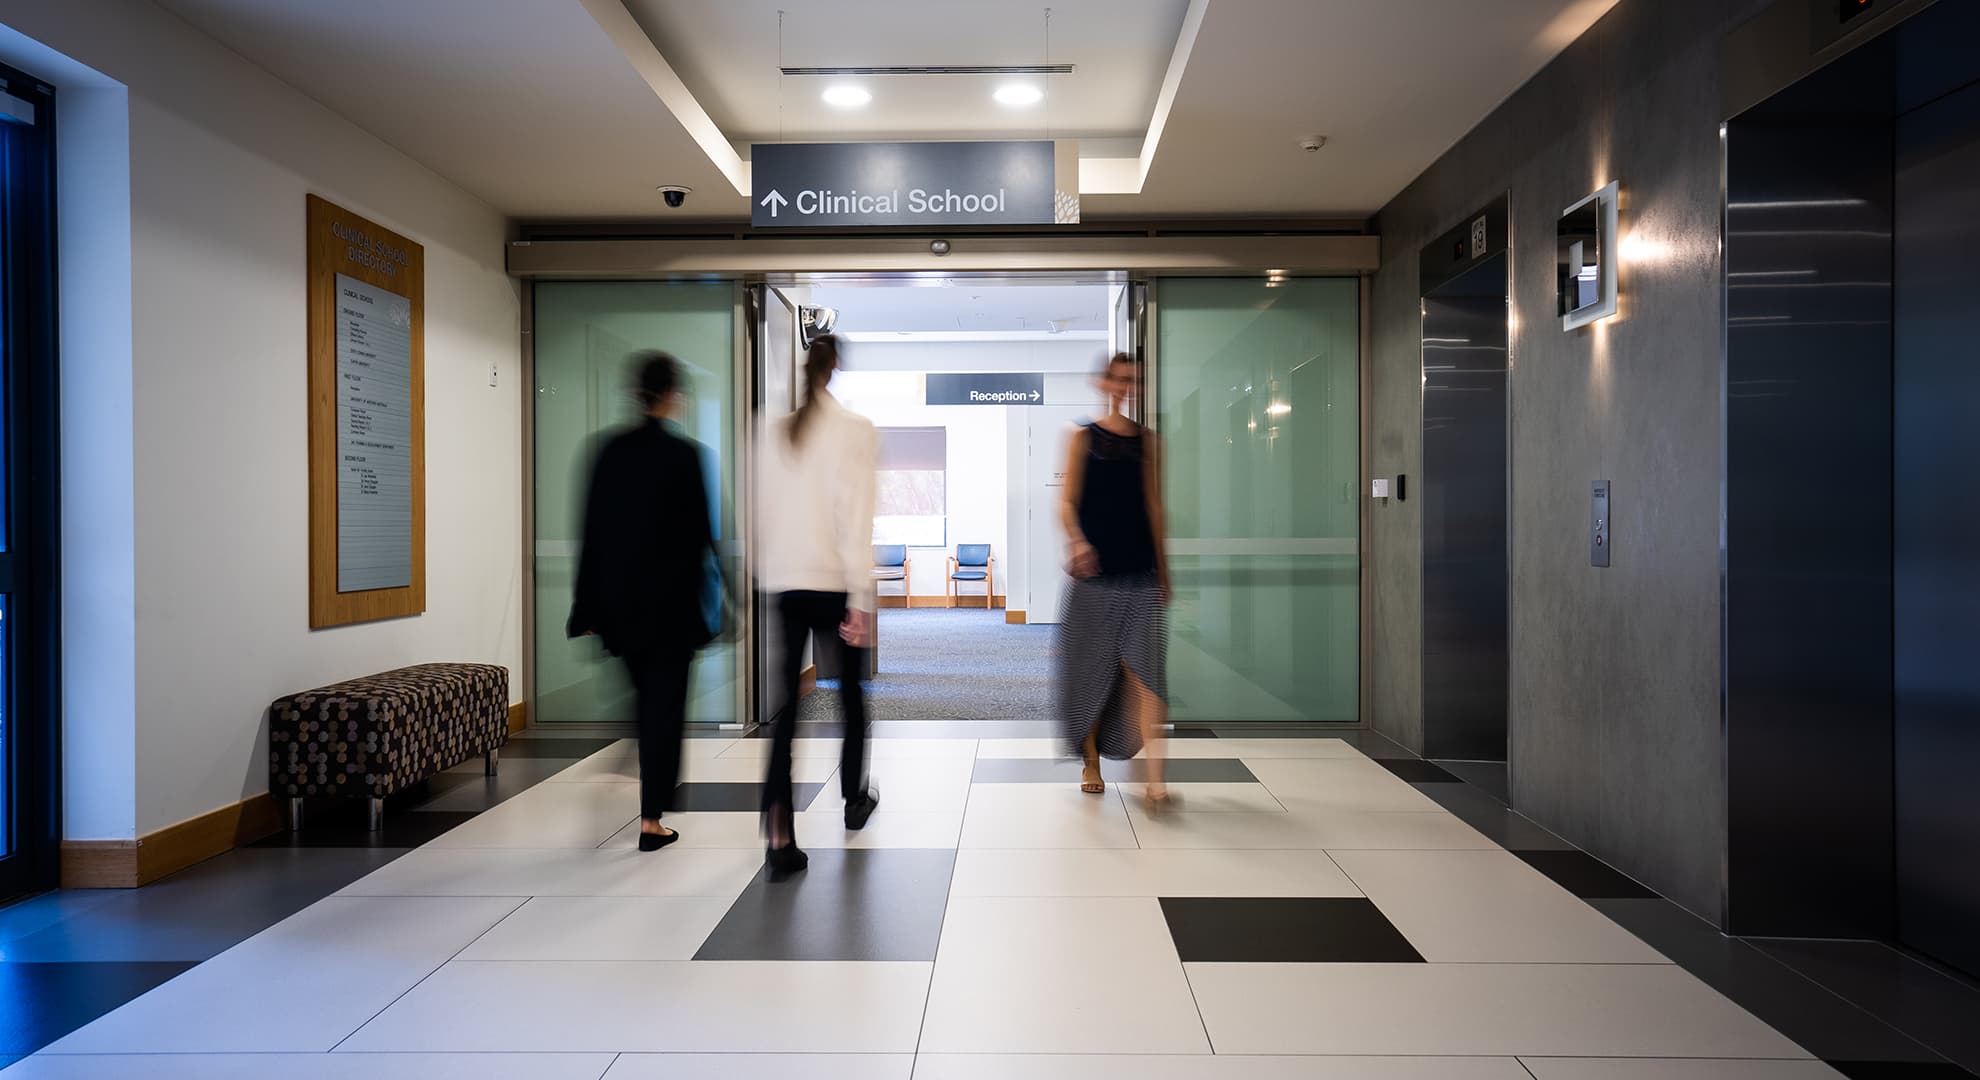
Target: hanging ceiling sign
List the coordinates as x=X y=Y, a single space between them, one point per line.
x=992 y=388
x=860 y=185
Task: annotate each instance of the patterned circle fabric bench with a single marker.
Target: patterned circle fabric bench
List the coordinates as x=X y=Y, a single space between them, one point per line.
x=370 y=737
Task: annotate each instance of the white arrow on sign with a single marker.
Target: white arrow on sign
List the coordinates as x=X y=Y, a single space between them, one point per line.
x=1035 y=395
x=775 y=201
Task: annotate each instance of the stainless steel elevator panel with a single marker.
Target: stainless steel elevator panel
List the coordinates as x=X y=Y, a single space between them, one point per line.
x=1938 y=527
x=1464 y=491
x=1601 y=536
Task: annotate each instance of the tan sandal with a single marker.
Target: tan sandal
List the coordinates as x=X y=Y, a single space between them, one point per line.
x=1090 y=780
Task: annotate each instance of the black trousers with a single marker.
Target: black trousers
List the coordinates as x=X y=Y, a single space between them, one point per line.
x=803 y=613
x=660 y=687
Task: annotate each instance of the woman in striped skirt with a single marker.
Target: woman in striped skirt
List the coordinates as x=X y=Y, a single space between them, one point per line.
x=1112 y=655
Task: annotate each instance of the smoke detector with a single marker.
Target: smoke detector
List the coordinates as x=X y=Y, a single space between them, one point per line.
x=1312 y=143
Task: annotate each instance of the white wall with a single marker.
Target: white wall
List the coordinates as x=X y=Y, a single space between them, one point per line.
x=978 y=475
x=220 y=156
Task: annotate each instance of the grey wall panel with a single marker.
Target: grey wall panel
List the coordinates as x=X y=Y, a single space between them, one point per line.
x=1614 y=704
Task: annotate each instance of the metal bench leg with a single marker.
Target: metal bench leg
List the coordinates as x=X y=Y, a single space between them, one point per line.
x=295 y=813
x=494 y=761
x=377 y=814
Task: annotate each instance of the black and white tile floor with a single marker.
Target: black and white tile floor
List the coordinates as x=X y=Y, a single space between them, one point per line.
x=1321 y=907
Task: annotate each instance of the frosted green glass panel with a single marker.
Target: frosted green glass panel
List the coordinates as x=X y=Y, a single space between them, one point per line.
x=1259 y=410
x=584 y=333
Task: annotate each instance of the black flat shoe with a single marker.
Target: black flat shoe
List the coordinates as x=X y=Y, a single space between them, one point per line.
x=785 y=861
x=655 y=841
x=862 y=808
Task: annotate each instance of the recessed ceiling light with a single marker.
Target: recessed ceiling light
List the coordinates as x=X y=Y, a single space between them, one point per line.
x=846 y=97
x=1019 y=94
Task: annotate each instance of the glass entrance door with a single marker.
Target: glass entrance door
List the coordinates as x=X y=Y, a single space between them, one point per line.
x=585 y=331
x=28 y=406
x=1257 y=391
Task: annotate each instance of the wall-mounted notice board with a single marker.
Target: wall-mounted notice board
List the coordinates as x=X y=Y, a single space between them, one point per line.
x=367 y=420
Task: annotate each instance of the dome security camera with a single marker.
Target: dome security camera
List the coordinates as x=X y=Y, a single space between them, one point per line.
x=1312 y=143
x=675 y=195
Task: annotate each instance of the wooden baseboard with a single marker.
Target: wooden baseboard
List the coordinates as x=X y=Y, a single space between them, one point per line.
x=518 y=716
x=894 y=601
x=1013 y=617
x=127 y=864
x=808 y=680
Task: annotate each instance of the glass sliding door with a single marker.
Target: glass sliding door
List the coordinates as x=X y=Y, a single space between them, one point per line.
x=584 y=333
x=29 y=705
x=1258 y=401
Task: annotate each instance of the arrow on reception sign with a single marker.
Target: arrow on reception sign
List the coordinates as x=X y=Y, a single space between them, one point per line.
x=775 y=201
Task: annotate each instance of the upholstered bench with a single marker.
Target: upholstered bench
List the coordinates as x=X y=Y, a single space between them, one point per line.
x=370 y=737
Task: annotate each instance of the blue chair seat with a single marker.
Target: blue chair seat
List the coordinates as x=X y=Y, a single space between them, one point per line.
x=889 y=573
x=969 y=575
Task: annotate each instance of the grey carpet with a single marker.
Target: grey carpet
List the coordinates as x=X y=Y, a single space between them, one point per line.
x=940 y=664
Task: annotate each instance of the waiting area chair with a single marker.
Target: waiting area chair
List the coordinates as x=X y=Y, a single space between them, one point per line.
x=890 y=563
x=973 y=562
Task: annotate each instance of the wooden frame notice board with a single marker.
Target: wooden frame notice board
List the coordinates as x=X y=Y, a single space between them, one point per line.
x=367 y=420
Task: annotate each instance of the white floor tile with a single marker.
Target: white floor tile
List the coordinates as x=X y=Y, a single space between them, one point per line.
x=301 y=985
x=1200 y=1067
x=602 y=928
x=887 y=828
x=1259 y=748
x=990 y=872
x=723 y=830
x=876 y=749
x=728 y=770
x=1311 y=829
x=314 y=1067
x=1013 y=749
x=1488 y=907
x=762 y=1067
x=550 y=816
x=1059 y=976
x=927 y=786
x=676 y=871
x=1044 y=816
x=695 y=1007
x=1213 y=798
x=1645 y=1010
x=1338 y=783
x=1675 y=1069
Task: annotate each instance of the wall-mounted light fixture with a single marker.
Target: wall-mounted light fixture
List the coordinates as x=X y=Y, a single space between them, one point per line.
x=1585 y=256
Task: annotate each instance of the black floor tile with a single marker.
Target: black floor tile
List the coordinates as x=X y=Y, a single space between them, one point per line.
x=408 y=829
x=1486 y=814
x=1299 y=930
x=1935 y=1008
x=40 y=1003
x=1900 y=1070
x=735 y=797
x=1376 y=745
x=1826 y=1025
x=855 y=904
x=1063 y=771
x=197 y=913
x=469 y=788
x=554 y=746
x=1489 y=776
x=1586 y=876
x=1417 y=771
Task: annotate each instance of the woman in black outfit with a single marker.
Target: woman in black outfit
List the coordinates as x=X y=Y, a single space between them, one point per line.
x=643 y=572
x=1112 y=653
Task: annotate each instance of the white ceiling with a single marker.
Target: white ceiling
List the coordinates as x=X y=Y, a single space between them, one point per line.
x=965 y=307
x=727 y=52
x=550 y=110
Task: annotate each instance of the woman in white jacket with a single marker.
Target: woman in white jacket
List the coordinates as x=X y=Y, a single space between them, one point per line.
x=816 y=479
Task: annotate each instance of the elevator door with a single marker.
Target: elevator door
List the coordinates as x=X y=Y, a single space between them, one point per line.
x=1937 y=532
x=1464 y=515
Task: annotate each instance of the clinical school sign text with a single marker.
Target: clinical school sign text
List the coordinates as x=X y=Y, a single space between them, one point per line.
x=853 y=185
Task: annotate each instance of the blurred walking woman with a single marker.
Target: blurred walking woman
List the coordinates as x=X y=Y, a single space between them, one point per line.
x=1112 y=655
x=816 y=478
x=643 y=574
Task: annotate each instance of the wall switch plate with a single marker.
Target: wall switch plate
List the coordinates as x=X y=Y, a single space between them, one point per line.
x=1380 y=489
x=1601 y=527
x=492 y=374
